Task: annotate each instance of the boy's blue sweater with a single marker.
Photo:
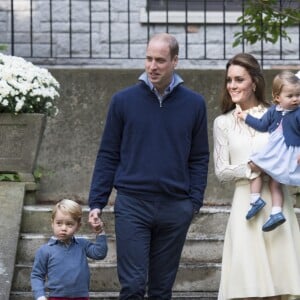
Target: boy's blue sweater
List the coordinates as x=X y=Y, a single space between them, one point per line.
x=63 y=270
x=149 y=150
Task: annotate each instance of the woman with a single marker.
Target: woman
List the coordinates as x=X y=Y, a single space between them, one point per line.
x=255 y=264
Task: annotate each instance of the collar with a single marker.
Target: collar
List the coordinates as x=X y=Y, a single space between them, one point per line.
x=283 y=110
x=176 y=80
x=53 y=240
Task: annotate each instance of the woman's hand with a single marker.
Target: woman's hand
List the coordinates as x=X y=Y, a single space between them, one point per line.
x=254 y=167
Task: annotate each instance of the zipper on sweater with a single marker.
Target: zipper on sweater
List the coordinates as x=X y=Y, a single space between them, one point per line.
x=159 y=97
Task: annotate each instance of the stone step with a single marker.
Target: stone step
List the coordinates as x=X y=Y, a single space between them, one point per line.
x=193 y=277
x=201 y=249
x=114 y=295
x=210 y=221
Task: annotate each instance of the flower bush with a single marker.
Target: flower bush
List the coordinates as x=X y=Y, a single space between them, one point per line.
x=26 y=88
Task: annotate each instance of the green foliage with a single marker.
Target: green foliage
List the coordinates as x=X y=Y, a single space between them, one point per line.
x=264 y=20
x=38 y=174
x=9 y=177
x=3 y=47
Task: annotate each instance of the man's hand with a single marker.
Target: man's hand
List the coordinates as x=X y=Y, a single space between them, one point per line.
x=95 y=221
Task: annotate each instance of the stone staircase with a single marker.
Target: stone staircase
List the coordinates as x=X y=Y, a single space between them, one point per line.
x=198 y=276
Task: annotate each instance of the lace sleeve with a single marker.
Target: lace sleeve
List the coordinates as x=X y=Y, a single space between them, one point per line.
x=224 y=169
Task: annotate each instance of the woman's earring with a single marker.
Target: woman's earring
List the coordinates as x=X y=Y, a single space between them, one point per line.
x=254 y=88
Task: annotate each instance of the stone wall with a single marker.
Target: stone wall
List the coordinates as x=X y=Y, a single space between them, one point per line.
x=71 y=139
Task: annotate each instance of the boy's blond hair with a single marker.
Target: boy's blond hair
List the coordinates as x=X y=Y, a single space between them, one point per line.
x=68 y=206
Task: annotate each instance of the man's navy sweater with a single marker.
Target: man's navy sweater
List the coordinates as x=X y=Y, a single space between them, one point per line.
x=148 y=150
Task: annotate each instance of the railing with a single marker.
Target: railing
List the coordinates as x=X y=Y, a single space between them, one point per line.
x=103 y=32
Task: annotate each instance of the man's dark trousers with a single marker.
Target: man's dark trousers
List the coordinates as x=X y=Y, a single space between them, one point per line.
x=150 y=235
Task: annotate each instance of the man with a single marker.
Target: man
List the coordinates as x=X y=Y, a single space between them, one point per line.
x=154 y=151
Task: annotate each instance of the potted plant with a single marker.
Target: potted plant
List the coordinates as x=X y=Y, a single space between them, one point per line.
x=28 y=94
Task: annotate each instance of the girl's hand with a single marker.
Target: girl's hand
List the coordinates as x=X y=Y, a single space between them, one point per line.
x=298 y=160
x=41 y=298
x=239 y=113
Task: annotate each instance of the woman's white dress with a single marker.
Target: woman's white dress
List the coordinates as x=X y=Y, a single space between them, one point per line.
x=254 y=263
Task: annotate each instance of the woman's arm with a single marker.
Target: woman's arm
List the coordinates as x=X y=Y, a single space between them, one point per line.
x=224 y=169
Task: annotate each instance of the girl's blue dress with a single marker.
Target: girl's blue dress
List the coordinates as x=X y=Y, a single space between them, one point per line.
x=279 y=160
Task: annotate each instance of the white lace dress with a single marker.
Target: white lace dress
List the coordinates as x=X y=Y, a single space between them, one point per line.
x=254 y=263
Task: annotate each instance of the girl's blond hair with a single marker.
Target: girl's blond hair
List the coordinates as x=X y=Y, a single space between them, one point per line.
x=281 y=79
x=68 y=206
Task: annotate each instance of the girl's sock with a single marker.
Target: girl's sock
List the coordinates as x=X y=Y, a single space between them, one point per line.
x=254 y=197
x=276 y=210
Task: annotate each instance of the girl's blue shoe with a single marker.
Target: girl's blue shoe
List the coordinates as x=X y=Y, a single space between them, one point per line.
x=274 y=221
x=256 y=207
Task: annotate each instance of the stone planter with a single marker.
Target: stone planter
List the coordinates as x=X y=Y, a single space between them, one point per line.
x=20 y=138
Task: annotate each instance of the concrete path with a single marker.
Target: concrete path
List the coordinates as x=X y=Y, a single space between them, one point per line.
x=11 y=204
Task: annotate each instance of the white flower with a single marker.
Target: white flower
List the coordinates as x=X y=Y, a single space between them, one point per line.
x=19 y=105
x=26 y=88
x=298 y=74
x=48 y=104
x=4 y=102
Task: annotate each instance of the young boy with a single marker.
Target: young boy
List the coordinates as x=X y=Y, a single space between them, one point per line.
x=61 y=265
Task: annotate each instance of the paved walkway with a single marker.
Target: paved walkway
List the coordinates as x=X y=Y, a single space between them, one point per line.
x=11 y=204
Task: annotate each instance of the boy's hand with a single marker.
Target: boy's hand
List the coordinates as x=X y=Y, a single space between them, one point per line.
x=95 y=221
x=100 y=227
x=41 y=298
